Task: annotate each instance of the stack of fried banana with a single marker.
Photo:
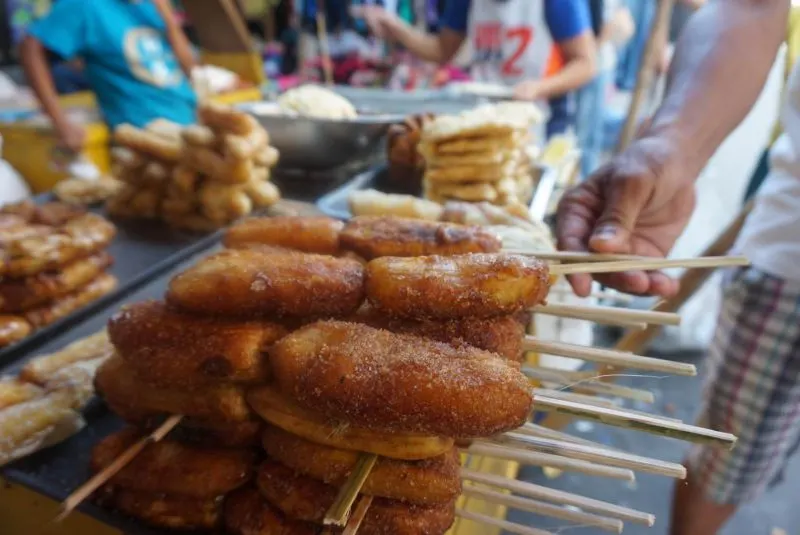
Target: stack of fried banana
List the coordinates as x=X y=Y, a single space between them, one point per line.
x=52 y=262
x=198 y=177
x=479 y=155
x=287 y=340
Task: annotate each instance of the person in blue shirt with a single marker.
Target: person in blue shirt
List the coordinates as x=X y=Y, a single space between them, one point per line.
x=543 y=48
x=136 y=58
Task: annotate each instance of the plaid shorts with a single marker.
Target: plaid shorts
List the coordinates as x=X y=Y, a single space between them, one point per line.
x=752 y=388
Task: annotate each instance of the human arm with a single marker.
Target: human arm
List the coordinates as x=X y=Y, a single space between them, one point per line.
x=176 y=37
x=641 y=201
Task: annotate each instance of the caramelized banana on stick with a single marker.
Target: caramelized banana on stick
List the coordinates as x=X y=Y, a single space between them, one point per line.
x=171 y=512
x=307 y=234
x=439 y=287
x=172 y=348
x=400 y=383
x=248 y=513
x=250 y=283
x=373 y=237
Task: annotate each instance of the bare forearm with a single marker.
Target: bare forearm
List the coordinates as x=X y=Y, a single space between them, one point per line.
x=720 y=65
x=34 y=61
x=183 y=53
x=428 y=47
x=574 y=75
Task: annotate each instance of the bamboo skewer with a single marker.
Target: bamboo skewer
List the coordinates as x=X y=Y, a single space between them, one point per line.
x=641 y=422
x=650 y=264
x=609 y=356
x=533 y=458
x=358 y=516
x=603 y=314
x=583 y=382
x=502 y=524
x=572 y=256
x=536 y=430
x=596 y=455
x=528 y=505
x=577 y=398
x=339 y=511
x=556 y=311
x=102 y=477
x=610 y=295
x=539 y=492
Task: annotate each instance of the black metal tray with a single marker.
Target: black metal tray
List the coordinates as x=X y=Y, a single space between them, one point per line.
x=142 y=250
x=55 y=472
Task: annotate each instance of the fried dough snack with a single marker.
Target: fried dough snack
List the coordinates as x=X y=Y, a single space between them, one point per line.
x=248 y=283
x=248 y=513
x=78 y=379
x=149 y=143
x=477 y=285
x=307 y=234
x=502 y=335
x=22 y=294
x=373 y=202
x=373 y=237
x=276 y=409
x=400 y=383
x=430 y=481
x=170 y=467
x=10 y=235
x=14 y=391
x=172 y=512
x=41 y=369
x=226 y=119
x=123 y=391
x=45 y=315
x=10 y=222
x=13 y=329
x=51 y=214
x=170 y=348
x=305 y=499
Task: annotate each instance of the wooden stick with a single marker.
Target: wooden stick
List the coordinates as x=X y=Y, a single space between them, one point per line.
x=651 y=264
x=594 y=455
x=582 y=382
x=102 y=477
x=339 y=511
x=505 y=525
x=358 y=516
x=528 y=505
x=626 y=419
x=322 y=37
x=531 y=458
x=610 y=295
x=609 y=356
x=577 y=398
x=557 y=311
x=601 y=314
x=536 y=430
x=547 y=494
x=571 y=256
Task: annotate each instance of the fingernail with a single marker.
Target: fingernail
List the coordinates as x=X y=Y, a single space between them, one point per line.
x=605 y=232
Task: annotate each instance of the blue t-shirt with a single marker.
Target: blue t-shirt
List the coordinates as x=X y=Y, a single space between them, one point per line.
x=566 y=19
x=129 y=61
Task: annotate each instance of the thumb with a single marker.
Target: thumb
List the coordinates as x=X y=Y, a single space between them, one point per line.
x=624 y=201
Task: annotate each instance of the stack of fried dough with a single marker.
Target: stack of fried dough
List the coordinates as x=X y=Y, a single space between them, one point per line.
x=479 y=155
x=198 y=177
x=52 y=262
x=285 y=341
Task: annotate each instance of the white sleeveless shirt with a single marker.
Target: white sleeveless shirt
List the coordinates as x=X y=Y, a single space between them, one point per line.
x=771 y=235
x=510 y=41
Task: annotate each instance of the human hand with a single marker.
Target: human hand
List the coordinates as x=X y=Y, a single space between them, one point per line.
x=72 y=136
x=639 y=203
x=378 y=20
x=527 y=90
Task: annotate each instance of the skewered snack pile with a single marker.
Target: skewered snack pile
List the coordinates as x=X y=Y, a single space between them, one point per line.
x=198 y=178
x=319 y=359
x=406 y=164
x=53 y=262
x=479 y=155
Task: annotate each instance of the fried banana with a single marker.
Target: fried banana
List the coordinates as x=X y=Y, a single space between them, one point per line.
x=502 y=335
x=307 y=234
x=169 y=467
x=248 y=513
x=170 y=348
x=308 y=500
x=279 y=411
x=40 y=369
x=373 y=237
x=438 y=287
x=14 y=391
x=17 y=295
x=78 y=379
x=123 y=391
x=47 y=314
x=250 y=283
x=171 y=512
x=400 y=383
x=13 y=329
x=429 y=481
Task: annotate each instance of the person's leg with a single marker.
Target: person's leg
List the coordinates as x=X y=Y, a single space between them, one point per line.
x=752 y=391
